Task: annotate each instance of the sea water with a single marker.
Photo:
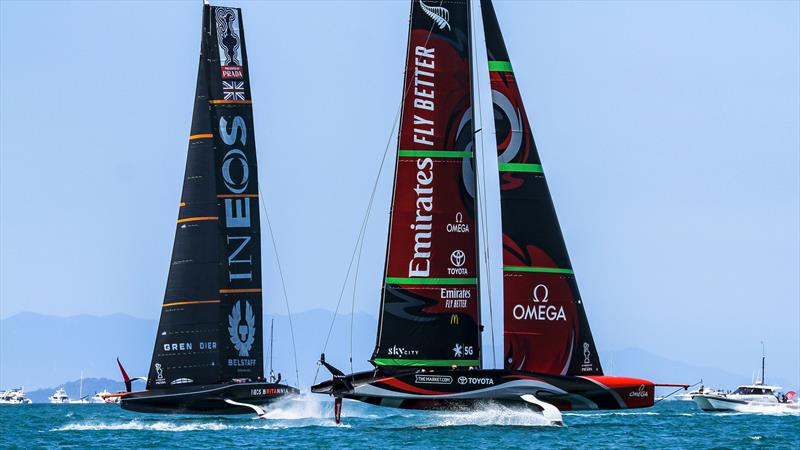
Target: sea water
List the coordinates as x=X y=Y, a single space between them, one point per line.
x=307 y=422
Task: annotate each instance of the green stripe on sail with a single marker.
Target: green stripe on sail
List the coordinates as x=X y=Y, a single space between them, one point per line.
x=518 y=167
x=397 y=280
x=500 y=66
x=537 y=269
x=426 y=362
x=437 y=153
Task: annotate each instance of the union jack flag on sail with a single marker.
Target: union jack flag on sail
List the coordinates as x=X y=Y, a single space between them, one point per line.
x=233 y=90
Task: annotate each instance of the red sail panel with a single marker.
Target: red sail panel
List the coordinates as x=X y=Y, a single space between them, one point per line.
x=545 y=324
x=429 y=308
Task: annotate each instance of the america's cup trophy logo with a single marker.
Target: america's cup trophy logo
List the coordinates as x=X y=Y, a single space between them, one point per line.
x=229 y=43
x=242 y=335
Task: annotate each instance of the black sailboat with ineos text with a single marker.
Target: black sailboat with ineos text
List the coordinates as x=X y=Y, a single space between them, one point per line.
x=208 y=356
x=428 y=349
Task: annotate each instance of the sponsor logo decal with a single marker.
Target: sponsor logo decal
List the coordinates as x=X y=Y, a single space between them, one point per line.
x=433 y=379
x=159 y=374
x=229 y=43
x=475 y=380
x=641 y=393
x=453 y=319
x=540 y=310
x=457 y=259
x=400 y=351
x=587 y=358
x=439 y=14
x=460 y=350
x=458 y=226
x=182 y=381
x=420 y=264
x=455 y=297
x=242 y=334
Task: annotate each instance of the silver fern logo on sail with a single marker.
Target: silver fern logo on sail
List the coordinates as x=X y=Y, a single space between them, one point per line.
x=242 y=335
x=439 y=14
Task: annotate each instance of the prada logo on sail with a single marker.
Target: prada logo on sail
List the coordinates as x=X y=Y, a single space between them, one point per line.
x=229 y=43
x=236 y=178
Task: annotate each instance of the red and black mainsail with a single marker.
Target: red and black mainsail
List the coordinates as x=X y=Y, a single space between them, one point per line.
x=545 y=324
x=429 y=312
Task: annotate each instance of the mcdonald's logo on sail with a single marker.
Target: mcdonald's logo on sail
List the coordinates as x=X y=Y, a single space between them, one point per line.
x=453 y=319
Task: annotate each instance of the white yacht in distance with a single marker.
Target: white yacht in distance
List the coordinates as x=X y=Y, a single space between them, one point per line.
x=687 y=396
x=59 y=397
x=104 y=397
x=756 y=397
x=81 y=399
x=14 y=397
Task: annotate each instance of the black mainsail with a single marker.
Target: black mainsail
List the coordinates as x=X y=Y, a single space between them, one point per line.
x=210 y=331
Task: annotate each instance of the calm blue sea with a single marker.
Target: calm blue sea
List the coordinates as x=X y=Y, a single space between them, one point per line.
x=308 y=423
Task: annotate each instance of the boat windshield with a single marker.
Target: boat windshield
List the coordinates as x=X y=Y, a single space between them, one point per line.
x=752 y=391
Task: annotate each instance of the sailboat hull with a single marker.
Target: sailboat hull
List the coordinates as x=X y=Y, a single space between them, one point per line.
x=469 y=389
x=208 y=399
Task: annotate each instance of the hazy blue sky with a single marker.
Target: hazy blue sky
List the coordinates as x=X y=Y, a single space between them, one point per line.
x=669 y=132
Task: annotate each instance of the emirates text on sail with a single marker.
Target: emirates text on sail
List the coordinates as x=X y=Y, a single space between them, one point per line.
x=424 y=132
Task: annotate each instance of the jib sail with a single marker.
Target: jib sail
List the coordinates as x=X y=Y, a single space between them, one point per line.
x=545 y=325
x=210 y=328
x=429 y=306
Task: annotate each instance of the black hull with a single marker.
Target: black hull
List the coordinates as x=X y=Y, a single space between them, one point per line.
x=442 y=389
x=209 y=399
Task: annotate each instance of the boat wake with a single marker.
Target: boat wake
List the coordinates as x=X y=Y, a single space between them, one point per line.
x=491 y=414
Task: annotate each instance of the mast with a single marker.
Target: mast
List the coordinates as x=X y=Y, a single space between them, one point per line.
x=210 y=327
x=429 y=313
x=544 y=321
x=763 y=359
x=271 y=330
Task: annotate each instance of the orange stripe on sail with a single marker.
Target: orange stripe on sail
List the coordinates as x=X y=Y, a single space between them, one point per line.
x=194 y=219
x=200 y=136
x=231 y=102
x=183 y=204
x=196 y=302
x=236 y=195
x=237 y=291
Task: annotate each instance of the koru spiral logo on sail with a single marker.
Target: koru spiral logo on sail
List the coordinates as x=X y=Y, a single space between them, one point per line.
x=242 y=335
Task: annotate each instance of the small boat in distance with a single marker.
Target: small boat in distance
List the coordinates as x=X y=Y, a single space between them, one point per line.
x=104 y=397
x=59 y=397
x=756 y=397
x=687 y=396
x=14 y=397
x=81 y=399
x=208 y=355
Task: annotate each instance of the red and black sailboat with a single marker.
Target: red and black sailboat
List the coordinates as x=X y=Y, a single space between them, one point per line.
x=208 y=355
x=428 y=351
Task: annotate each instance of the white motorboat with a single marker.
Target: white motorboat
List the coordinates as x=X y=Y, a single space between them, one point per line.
x=59 y=397
x=14 y=397
x=756 y=397
x=104 y=397
x=687 y=396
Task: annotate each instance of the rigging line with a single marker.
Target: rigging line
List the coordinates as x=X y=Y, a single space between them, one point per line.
x=482 y=193
x=674 y=392
x=362 y=231
x=283 y=284
x=359 y=240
